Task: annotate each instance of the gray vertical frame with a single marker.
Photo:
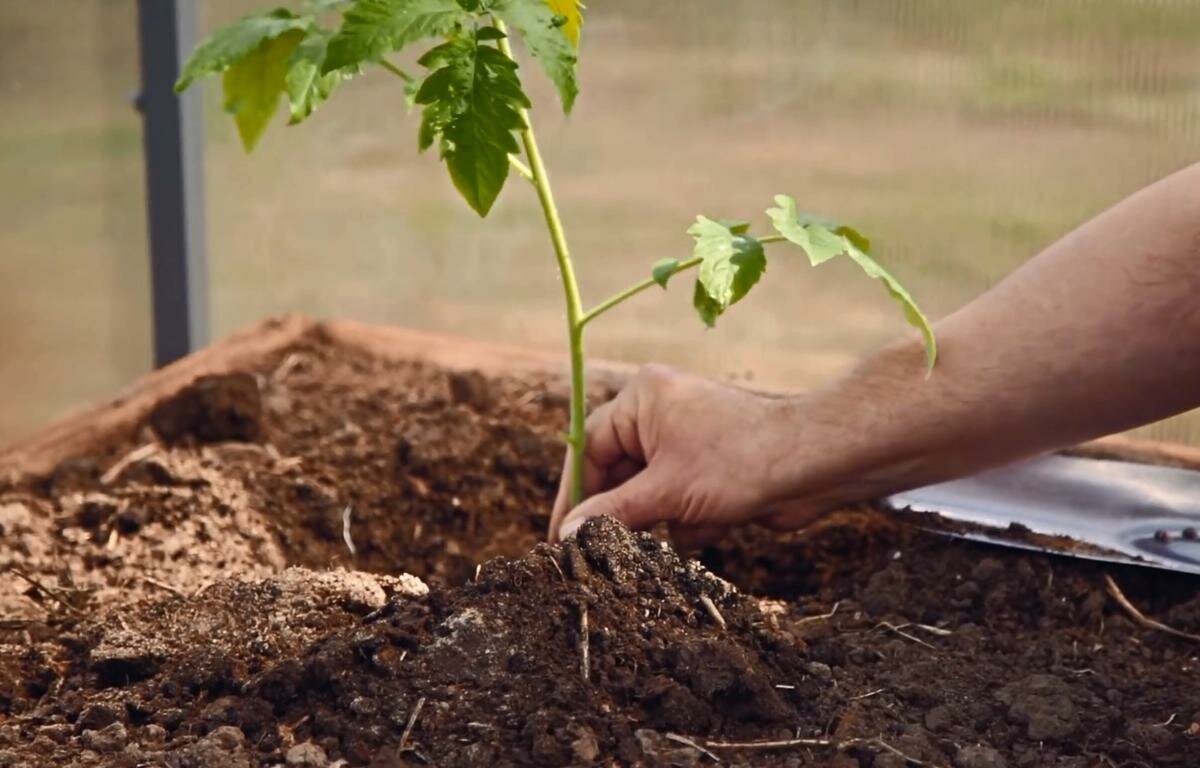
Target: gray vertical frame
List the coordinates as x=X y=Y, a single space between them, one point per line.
x=173 y=144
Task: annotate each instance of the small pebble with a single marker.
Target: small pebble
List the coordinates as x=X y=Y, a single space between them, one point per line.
x=110 y=738
x=1162 y=537
x=1190 y=534
x=306 y=755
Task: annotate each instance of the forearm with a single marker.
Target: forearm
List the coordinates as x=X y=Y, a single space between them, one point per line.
x=1098 y=333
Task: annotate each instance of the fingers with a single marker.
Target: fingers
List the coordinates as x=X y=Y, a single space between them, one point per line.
x=613 y=453
x=635 y=503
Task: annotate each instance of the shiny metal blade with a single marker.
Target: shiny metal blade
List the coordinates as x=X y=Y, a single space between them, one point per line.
x=1114 y=511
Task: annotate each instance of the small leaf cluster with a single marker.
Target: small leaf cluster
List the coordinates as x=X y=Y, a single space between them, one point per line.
x=731 y=261
x=473 y=102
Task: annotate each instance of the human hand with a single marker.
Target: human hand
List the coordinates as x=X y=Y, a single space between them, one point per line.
x=696 y=454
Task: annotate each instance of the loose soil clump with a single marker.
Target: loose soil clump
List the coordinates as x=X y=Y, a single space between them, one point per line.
x=332 y=559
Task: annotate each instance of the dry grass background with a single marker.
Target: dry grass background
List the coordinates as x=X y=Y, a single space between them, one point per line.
x=963 y=135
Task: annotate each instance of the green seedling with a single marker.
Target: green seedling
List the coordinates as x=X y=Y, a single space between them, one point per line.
x=475 y=110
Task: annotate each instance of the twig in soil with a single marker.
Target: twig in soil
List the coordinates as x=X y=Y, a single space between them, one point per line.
x=289 y=364
x=934 y=630
x=1167 y=722
x=867 y=695
x=346 y=530
x=412 y=721
x=1140 y=618
x=675 y=737
x=135 y=456
x=840 y=746
x=585 y=667
x=162 y=585
x=899 y=630
x=822 y=617
x=54 y=594
x=711 y=607
x=557 y=567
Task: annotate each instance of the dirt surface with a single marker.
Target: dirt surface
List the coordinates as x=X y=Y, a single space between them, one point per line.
x=333 y=560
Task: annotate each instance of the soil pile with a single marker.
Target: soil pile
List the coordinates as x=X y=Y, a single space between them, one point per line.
x=297 y=565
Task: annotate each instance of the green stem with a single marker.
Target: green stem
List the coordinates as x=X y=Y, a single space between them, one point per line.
x=400 y=73
x=520 y=168
x=632 y=291
x=576 y=436
x=649 y=283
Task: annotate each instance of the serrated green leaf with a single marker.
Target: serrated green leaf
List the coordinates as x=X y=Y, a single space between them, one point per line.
x=254 y=84
x=571 y=13
x=473 y=101
x=663 y=270
x=822 y=239
x=813 y=235
x=730 y=265
x=547 y=40
x=912 y=312
x=305 y=86
x=231 y=43
x=708 y=309
x=373 y=28
x=736 y=226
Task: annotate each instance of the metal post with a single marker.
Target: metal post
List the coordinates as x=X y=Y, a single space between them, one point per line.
x=173 y=145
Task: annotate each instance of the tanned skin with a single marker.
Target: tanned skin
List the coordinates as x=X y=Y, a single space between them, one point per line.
x=1098 y=333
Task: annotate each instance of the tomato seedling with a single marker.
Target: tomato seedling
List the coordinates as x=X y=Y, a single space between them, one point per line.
x=474 y=108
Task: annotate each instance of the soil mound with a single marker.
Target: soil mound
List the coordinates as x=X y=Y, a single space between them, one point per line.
x=331 y=559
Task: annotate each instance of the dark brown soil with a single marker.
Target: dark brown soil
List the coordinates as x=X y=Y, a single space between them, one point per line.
x=335 y=558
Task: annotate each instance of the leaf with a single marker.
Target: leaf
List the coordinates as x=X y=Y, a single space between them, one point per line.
x=473 y=101
x=547 y=40
x=571 y=12
x=822 y=240
x=373 y=28
x=325 y=6
x=663 y=270
x=233 y=42
x=731 y=264
x=305 y=86
x=736 y=226
x=912 y=313
x=254 y=83
x=817 y=240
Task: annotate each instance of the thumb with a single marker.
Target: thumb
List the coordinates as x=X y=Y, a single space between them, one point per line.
x=634 y=503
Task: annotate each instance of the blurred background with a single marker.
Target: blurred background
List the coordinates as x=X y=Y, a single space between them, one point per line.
x=964 y=136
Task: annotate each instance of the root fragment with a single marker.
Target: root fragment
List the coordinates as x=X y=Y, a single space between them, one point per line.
x=899 y=630
x=675 y=737
x=136 y=456
x=349 y=510
x=821 y=617
x=1139 y=618
x=57 y=595
x=585 y=666
x=711 y=608
x=408 y=727
x=840 y=746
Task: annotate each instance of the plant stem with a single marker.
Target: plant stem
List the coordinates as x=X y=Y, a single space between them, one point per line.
x=632 y=291
x=648 y=283
x=576 y=436
x=400 y=73
x=520 y=168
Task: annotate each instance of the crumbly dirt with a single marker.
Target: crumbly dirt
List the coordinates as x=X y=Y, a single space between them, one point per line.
x=334 y=560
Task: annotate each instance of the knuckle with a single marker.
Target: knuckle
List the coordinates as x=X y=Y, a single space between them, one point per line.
x=656 y=374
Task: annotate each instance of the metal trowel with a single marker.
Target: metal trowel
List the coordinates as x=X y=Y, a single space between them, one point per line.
x=1114 y=511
